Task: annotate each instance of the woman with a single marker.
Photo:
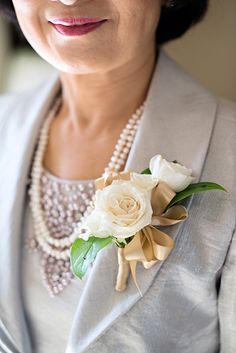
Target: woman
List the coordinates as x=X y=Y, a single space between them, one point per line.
x=106 y=71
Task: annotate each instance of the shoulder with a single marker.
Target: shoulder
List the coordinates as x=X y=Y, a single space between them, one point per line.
x=191 y=93
x=226 y=111
x=26 y=105
x=7 y=102
x=11 y=105
x=224 y=131
x=220 y=164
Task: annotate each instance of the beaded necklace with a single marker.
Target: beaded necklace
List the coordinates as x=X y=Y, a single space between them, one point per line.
x=55 y=242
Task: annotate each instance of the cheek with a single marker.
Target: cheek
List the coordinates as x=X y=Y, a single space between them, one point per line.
x=28 y=15
x=139 y=18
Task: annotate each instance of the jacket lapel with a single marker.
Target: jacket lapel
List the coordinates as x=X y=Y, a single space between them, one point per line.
x=23 y=117
x=177 y=122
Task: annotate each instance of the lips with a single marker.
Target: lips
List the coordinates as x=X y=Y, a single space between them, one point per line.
x=70 y=21
x=76 y=26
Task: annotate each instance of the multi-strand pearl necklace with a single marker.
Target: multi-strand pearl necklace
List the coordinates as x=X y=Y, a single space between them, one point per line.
x=60 y=248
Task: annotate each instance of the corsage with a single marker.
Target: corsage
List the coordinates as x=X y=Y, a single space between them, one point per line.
x=128 y=209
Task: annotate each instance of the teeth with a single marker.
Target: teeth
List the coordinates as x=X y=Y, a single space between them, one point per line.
x=76 y=24
x=68 y=24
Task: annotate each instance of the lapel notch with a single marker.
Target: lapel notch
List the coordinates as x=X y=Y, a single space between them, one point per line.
x=177 y=122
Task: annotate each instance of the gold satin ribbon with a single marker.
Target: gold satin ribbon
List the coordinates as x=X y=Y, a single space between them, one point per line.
x=150 y=244
x=102 y=182
x=147 y=246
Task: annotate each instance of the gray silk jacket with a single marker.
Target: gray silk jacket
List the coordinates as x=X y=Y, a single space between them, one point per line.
x=189 y=300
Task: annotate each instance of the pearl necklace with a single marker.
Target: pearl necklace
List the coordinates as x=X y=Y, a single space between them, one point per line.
x=60 y=248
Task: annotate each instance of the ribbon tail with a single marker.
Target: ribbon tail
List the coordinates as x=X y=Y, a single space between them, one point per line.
x=133 y=265
x=148 y=264
x=123 y=271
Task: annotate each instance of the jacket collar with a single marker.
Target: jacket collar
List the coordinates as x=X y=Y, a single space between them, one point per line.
x=177 y=122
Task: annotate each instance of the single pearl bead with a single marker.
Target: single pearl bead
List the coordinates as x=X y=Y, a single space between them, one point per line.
x=42 y=233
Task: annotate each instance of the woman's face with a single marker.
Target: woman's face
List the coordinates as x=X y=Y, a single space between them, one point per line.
x=129 y=31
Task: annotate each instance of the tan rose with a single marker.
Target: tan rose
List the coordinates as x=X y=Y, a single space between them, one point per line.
x=122 y=208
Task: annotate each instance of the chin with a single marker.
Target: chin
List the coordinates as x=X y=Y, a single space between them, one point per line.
x=84 y=66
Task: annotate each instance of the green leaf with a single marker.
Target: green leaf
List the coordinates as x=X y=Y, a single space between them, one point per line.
x=122 y=242
x=83 y=253
x=194 y=188
x=146 y=171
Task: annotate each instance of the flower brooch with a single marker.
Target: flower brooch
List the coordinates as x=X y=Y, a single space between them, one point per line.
x=128 y=208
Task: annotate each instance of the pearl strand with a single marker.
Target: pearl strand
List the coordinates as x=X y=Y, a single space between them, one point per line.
x=118 y=158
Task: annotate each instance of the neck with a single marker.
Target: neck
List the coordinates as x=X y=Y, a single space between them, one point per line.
x=100 y=100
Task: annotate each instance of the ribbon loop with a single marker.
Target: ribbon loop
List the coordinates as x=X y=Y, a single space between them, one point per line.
x=173 y=215
x=162 y=194
x=149 y=244
x=102 y=182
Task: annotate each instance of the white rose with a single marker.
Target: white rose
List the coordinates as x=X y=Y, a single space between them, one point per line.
x=175 y=175
x=122 y=208
x=144 y=182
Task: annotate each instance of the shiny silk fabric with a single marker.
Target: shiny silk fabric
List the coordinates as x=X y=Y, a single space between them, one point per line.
x=189 y=299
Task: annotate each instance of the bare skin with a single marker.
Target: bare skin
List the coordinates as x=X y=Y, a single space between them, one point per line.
x=92 y=141
x=105 y=75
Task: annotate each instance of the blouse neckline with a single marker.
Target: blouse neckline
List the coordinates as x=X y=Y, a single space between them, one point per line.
x=67 y=181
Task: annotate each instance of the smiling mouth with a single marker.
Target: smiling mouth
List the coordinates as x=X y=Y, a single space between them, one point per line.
x=79 y=24
x=72 y=21
x=76 y=29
